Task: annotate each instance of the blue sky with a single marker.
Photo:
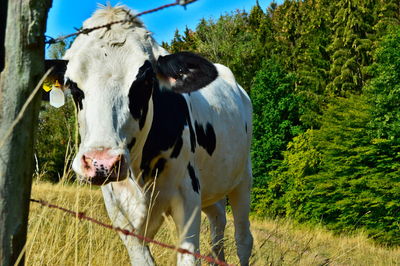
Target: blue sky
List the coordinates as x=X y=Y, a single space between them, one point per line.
x=67 y=14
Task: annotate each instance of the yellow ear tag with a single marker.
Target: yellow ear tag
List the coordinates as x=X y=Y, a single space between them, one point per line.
x=57 y=98
x=46 y=88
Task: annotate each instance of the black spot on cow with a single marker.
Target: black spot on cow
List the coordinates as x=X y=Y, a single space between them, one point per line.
x=206 y=137
x=140 y=92
x=158 y=167
x=77 y=94
x=177 y=148
x=191 y=72
x=171 y=115
x=132 y=143
x=195 y=181
x=192 y=136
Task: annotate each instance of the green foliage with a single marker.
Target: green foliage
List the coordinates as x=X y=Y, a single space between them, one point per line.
x=341 y=176
x=300 y=159
x=56 y=136
x=384 y=89
x=55 y=140
x=276 y=118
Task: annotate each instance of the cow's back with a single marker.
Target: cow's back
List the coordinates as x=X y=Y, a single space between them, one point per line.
x=221 y=113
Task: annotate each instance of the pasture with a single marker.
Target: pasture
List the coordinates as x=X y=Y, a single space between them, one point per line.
x=56 y=238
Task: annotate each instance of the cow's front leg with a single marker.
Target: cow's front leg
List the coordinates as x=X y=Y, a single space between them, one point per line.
x=139 y=253
x=124 y=211
x=185 y=210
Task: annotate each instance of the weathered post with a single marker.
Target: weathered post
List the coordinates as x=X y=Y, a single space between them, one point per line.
x=22 y=27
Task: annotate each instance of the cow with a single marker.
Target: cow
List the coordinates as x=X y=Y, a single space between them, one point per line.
x=162 y=134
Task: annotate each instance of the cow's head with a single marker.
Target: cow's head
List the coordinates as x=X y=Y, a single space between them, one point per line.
x=111 y=75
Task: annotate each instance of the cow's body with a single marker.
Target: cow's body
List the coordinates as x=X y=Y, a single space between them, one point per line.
x=184 y=152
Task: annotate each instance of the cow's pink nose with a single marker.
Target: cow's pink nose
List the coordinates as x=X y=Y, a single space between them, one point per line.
x=101 y=167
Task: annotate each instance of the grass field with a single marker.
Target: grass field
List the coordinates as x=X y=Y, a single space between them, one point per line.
x=56 y=238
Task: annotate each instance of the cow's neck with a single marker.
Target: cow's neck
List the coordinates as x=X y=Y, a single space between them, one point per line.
x=130 y=195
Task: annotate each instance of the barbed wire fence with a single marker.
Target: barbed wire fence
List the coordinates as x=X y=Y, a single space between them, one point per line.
x=81 y=215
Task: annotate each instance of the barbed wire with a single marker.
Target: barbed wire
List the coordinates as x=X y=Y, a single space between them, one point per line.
x=83 y=216
x=51 y=40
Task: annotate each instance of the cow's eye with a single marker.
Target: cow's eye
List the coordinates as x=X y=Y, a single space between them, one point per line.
x=77 y=94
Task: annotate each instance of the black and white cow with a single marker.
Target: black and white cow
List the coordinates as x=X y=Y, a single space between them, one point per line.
x=163 y=134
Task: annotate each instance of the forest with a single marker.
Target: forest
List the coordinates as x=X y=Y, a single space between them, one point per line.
x=324 y=79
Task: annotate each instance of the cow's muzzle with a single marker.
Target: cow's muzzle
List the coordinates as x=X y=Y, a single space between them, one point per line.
x=101 y=167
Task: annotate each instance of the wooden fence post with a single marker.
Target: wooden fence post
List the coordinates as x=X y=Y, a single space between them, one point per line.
x=21 y=65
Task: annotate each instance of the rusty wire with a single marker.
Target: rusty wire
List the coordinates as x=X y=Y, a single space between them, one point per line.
x=82 y=216
x=51 y=40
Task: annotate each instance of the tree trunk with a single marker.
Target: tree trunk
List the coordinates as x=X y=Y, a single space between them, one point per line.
x=21 y=65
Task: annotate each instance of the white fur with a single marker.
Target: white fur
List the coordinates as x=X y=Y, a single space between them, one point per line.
x=104 y=64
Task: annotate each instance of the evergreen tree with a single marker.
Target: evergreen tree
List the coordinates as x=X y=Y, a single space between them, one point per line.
x=287 y=26
x=177 y=43
x=311 y=57
x=190 y=39
x=388 y=15
x=302 y=31
x=261 y=24
x=351 y=46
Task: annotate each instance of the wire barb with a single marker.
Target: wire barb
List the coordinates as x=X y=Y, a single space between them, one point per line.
x=50 y=40
x=82 y=216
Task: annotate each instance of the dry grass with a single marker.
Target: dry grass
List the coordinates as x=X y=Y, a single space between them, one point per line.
x=56 y=238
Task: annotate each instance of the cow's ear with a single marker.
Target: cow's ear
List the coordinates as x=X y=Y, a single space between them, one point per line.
x=185 y=72
x=59 y=67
